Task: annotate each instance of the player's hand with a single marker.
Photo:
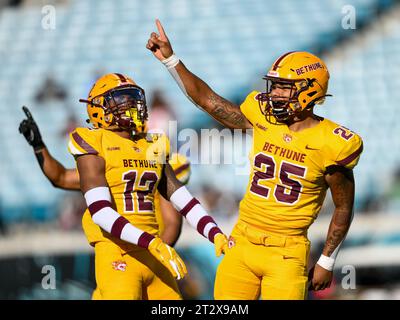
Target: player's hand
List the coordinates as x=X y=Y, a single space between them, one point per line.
x=220 y=244
x=168 y=257
x=159 y=43
x=319 y=278
x=30 y=130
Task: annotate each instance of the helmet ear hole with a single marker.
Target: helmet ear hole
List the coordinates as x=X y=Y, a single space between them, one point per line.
x=95 y=115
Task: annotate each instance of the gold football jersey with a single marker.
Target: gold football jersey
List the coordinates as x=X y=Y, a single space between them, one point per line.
x=133 y=171
x=286 y=187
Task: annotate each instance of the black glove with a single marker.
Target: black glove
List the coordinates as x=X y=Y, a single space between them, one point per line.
x=30 y=130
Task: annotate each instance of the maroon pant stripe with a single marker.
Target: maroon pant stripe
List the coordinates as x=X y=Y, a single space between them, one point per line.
x=117 y=226
x=189 y=207
x=98 y=205
x=213 y=232
x=202 y=224
x=145 y=239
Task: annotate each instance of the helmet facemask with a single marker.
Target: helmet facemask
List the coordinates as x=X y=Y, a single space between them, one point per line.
x=281 y=108
x=125 y=107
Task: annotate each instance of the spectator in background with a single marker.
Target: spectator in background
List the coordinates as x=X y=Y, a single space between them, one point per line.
x=161 y=113
x=71 y=125
x=2 y=224
x=221 y=203
x=51 y=90
x=72 y=207
x=392 y=196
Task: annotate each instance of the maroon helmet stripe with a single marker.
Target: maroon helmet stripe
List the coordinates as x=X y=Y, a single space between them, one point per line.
x=121 y=77
x=117 y=226
x=203 y=222
x=145 y=239
x=276 y=64
x=213 y=232
x=181 y=168
x=189 y=207
x=351 y=157
x=83 y=144
x=98 y=205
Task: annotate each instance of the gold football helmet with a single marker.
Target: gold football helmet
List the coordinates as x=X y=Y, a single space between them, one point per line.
x=115 y=101
x=307 y=77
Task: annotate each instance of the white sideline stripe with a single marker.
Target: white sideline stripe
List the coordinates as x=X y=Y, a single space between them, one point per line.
x=96 y=194
x=73 y=149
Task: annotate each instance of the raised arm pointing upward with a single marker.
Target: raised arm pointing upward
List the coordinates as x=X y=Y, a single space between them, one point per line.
x=222 y=110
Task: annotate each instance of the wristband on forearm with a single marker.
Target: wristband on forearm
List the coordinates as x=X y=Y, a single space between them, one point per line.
x=171 y=62
x=326 y=262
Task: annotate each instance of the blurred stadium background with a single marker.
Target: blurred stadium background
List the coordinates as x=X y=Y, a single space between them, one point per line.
x=230 y=44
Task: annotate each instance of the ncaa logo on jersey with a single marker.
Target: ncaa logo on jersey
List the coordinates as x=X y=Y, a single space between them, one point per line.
x=287 y=137
x=119 y=265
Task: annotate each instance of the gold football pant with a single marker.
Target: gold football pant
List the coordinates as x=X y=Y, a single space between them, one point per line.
x=135 y=275
x=263 y=263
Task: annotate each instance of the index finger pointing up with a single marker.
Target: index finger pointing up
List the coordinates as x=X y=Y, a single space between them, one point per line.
x=27 y=112
x=161 y=30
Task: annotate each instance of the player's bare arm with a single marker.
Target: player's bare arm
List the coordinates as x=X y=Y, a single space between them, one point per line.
x=168 y=183
x=172 y=222
x=57 y=174
x=341 y=183
x=91 y=170
x=224 y=111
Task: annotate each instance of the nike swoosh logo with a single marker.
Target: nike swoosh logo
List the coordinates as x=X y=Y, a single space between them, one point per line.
x=309 y=148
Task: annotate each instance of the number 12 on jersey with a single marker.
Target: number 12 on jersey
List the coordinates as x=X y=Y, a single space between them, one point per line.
x=138 y=193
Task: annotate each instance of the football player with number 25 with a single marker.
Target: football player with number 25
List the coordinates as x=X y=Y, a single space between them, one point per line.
x=296 y=157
